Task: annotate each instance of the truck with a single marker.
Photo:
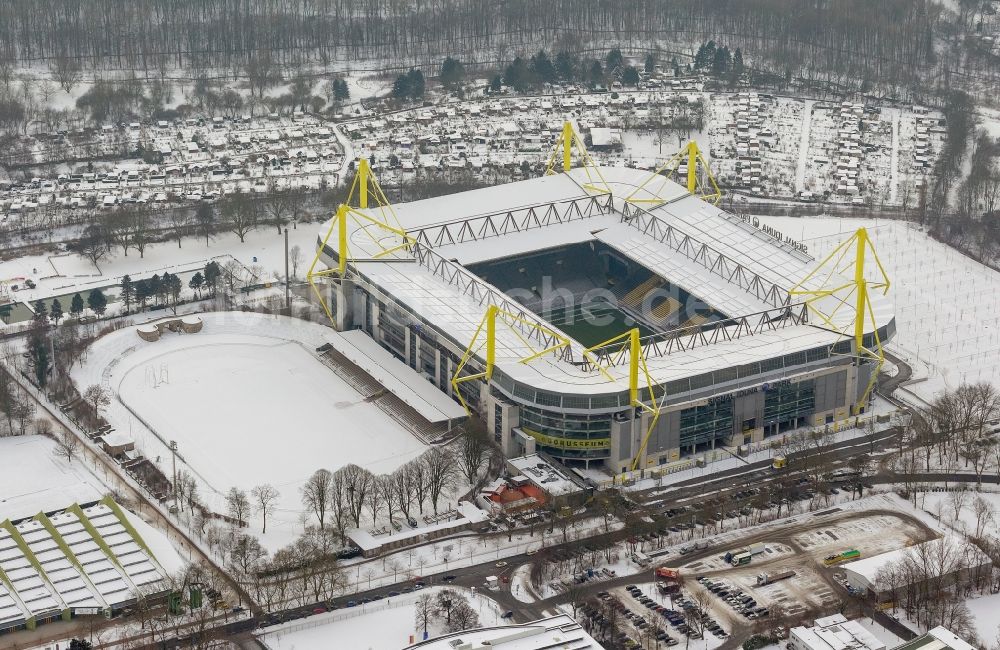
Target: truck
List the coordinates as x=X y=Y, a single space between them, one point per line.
x=753 y=549
x=779 y=462
x=492 y=583
x=741 y=558
x=773 y=576
x=668 y=580
x=641 y=558
x=843 y=556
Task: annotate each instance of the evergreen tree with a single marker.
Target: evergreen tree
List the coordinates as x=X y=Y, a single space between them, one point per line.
x=40 y=308
x=340 y=90
x=596 y=73
x=565 y=66
x=76 y=305
x=452 y=73
x=196 y=282
x=97 y=302
x=722 y=61
x=496 y=83
x=650 y=64
x=631 y=76
x=80 y=644
x=127 y=293
x=614 y=60
x=517 y=75
x=38 y=345
x=142 y=294
x=705 y=56
x=738 y=62
x=56 y=312
x=212 y=275
x=401 y=87
x=173 y=286
x=415 y=79
x=542 y=69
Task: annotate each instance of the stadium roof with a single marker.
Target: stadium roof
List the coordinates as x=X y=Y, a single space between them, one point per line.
x=734 y=267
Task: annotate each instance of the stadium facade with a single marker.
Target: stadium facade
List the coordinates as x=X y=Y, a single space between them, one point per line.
x=721 y=332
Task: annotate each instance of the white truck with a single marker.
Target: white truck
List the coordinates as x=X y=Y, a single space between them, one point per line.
x=492 y=583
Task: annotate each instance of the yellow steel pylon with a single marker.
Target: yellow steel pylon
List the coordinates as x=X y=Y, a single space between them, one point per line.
x=364 y=189
x=485 y=336
x=568 y=142
x=636 y=363
x=854 y=294
x=702 y=185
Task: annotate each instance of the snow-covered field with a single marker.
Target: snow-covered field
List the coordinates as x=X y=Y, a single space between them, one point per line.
x=64 y=274
x=947 y=305
x=247 y=401
x=34 y=480
x=387 y=625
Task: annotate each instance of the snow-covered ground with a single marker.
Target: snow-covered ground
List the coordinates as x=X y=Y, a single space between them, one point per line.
x=248 y=402
x=947 y=305
x=386 y=625
x=35 y=480
x=67 y=273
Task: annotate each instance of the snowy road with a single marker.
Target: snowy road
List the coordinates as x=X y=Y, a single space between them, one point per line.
x=800 y=172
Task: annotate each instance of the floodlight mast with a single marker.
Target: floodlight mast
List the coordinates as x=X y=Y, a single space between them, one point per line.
x=364 y=190
x=826 y=281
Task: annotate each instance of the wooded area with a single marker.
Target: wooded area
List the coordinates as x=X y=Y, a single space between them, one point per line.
x=856 y=39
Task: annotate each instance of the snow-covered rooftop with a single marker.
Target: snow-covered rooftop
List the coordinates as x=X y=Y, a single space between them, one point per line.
x=735 y=267
x=83 y=559
x=869 y=567
x=398 y=378
x=544 y=475
x=559 y=631
x=836 y=633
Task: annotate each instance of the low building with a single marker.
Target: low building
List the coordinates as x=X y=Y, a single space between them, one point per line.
x=560 y=631
x=372 y=543
x=950 y=558
x=535 y=475
x=833 y=633
x=939 y=638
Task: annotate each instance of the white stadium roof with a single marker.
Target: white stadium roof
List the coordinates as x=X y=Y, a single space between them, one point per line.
x=731 y=265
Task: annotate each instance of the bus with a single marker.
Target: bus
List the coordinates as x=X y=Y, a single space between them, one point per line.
x=843 y=556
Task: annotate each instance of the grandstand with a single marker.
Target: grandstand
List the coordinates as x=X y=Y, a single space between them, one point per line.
x=605 y=331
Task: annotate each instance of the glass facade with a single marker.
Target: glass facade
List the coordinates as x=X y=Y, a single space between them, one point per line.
x=705 y=424
x=788 y=402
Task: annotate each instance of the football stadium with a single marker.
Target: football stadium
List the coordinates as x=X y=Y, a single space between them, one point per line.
x=609 y=317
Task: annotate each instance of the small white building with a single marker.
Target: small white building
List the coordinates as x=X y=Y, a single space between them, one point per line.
x=560 y=631
x=956 y=560
x=833 y=633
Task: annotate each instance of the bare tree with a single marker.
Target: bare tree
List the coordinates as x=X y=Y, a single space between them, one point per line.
x=295 y=258
x=317 y=493
x=66 y=446
x=238 y=504
x=97 y=397
x=264 y=497
x=440 y=466
x=424 y=612
x=473 y=453
x=984 y=513
x=66 y=71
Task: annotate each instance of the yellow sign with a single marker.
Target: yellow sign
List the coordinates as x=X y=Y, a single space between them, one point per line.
x=569 y=443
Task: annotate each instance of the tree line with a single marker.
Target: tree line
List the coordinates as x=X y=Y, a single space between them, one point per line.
x=859 y=38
